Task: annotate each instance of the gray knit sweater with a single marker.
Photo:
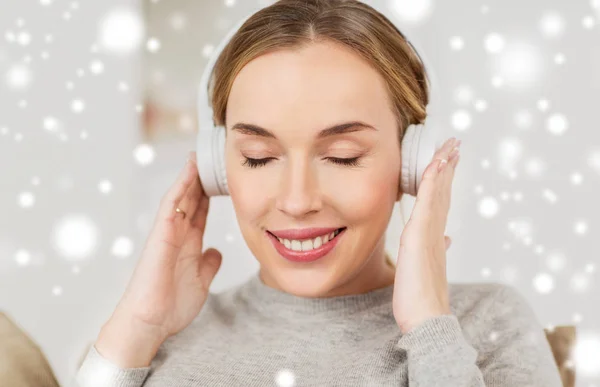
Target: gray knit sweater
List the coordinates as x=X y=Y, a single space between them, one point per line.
x=254 y=335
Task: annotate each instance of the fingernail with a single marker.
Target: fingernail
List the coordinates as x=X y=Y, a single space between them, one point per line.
x=190 y=157
x=454 y=152
x=442 y=164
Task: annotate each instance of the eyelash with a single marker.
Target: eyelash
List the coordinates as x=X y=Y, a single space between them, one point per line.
x=255 y=163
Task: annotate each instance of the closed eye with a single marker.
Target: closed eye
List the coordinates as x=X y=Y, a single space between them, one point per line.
x=255 y=163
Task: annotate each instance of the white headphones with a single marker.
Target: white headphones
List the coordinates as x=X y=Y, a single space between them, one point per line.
x=417 y=145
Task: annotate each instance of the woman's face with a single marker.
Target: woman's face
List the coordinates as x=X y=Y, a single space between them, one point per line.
x=294 y=95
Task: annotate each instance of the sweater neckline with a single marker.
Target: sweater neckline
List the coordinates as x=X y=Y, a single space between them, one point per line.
x=276 y=302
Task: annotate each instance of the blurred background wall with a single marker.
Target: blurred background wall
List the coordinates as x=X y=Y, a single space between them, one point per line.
x=97 y=114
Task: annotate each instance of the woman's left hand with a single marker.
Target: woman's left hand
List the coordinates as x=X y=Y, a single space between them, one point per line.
x=421 y=285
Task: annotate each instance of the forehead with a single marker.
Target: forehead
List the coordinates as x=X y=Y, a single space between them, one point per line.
x=314 y=86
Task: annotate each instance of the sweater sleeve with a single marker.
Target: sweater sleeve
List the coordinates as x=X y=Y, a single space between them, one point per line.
x=96 y=371
x=514 y=350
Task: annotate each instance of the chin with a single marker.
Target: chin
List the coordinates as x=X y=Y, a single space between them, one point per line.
x=304 y=282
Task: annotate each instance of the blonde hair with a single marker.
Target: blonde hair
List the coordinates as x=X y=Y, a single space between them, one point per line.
x=293 y=24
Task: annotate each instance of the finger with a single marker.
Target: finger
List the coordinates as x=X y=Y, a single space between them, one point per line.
x=448 y=241
x=447 y=179
x=192 y=197
x=175 y=194
x=209 y=266
x=428 y=194
x=198 y=221
x=194 y=237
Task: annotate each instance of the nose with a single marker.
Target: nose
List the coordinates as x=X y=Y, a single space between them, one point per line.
x=299 y=189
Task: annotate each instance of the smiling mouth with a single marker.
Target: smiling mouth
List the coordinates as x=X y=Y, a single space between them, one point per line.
x=308 y=244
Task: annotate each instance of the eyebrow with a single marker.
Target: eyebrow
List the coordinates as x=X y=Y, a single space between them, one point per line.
x=347 y=127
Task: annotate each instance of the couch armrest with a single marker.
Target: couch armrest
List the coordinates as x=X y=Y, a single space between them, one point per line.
x=22 y=363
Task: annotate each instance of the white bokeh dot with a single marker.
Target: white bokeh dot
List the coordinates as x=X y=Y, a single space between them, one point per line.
x=153 y=44
x=481 y=105
x=535 y=166
x=207 y=50
x=550 y=195
x=144 y=154
x=122 y=247
x=576 y=178
x=556 y=261
x=285 y=378
x=77 y=105
x=57 y=290
x=75 y=236
x=105 y=186
x=594 y=160
x=461 y=120
x=96 y=67
x=18 y=77
x=543 y=104
x=580 y=282
x=586 y=354
x=519 y=65
x=543 y=283
x=463 y=94
x=51 y=124
x=121 y=30
x=557 y=124
x=24 y=38
x=588 y=22
x=26 y=199
x=494 y=43
x=22 y=257
x=497 y=81
x=411 y=11
x=590 y=268
x=457 y=43
x=488 y=207
x=178 y=21
x=552 y=24
x=580 y=227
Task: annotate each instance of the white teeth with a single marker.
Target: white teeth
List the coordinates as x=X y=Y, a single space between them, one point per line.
x=296 y=245
x=317 y=242
x=308 y=244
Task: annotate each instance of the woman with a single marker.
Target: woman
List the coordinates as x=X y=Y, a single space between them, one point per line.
x=348 y=317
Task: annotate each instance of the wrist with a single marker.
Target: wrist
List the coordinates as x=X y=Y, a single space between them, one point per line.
x=128 y=343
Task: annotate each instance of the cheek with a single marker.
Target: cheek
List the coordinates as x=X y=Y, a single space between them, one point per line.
x=371 y=194
x=245 y=194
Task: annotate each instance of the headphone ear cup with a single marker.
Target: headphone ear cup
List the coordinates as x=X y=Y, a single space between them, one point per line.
x=410 y=153
x=220 y=167
x=210 y=157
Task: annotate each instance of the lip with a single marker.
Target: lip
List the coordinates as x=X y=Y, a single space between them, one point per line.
x=303 y=233
x=305 y=256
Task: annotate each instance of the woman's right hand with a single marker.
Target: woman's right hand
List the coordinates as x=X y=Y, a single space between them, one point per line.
x=171 y=281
